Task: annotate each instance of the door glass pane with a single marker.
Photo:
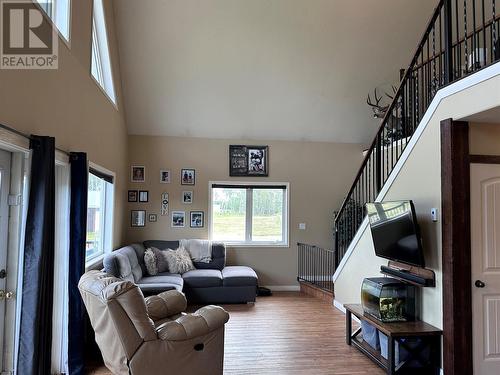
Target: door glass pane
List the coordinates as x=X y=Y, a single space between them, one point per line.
x=95 y=215
x=267 y=219
x=229 y=211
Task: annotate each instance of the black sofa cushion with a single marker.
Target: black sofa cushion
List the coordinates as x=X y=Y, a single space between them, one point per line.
x=202 y=278
x=218 y=253
x=239 y=276
x=221 y=294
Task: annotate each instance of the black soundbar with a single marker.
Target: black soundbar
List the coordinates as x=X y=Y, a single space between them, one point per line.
x=406 y=276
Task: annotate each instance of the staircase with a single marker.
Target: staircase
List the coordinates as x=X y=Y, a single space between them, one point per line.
x=460 y=39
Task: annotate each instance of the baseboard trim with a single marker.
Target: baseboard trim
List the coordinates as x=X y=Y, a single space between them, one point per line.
x=283 y=288
x=338 y=306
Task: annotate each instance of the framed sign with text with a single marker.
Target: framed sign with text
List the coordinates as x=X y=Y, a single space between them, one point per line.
x=248 y=161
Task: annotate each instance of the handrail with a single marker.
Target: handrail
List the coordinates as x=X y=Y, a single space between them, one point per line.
x=396 y=98
x=316 y=266
x=462 y=39
x=455 y=43
x=315 y=247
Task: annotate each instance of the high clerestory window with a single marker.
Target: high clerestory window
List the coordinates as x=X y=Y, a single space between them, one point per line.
x=101 y=62
x=59 y=12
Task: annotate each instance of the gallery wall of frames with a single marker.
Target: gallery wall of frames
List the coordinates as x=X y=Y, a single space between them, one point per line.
x=243 y=161
x=139 y=217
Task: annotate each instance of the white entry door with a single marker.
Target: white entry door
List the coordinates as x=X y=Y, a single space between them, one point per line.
x=485 y=253
x=5 y=296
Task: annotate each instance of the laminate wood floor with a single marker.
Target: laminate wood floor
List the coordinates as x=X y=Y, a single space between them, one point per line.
x=288 y=333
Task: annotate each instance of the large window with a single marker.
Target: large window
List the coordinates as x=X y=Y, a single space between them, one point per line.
x=249 y=214
x=101 y=63
x=99 y=215
x=59 y=13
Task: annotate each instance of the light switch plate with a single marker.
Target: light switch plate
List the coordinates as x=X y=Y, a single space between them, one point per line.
x=302 y=226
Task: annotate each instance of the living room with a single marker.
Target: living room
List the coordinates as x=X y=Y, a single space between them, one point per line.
x=232 y=132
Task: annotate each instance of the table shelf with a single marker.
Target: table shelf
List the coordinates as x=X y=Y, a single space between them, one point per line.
x=395 y=332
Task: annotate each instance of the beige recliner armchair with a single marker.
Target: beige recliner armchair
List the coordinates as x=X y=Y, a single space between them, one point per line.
x=149 y=336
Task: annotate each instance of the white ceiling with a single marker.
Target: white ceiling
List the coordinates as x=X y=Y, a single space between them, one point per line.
x=262 y=69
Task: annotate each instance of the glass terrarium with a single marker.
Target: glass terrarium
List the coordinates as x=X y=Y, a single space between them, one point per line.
x=388 y=300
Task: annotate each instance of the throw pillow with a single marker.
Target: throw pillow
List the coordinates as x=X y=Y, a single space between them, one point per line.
x=161 y=261
x=179 y=261
x=150 y=262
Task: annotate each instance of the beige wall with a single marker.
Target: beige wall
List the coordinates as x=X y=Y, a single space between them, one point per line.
x=420 y=180
x=68 y=104
x=484 y=139
x=319 y=175
x=261 y=69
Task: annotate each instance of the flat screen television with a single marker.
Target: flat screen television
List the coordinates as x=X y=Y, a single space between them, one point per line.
x=395 y=232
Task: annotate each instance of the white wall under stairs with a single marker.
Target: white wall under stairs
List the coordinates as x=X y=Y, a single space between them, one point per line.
x=417 y=176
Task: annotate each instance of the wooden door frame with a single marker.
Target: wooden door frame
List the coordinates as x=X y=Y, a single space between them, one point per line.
x=456 y=245
x=456 y=248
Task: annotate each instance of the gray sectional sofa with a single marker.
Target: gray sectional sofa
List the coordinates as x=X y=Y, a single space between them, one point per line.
x=212 y=282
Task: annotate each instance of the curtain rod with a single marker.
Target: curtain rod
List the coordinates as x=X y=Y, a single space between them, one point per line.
x=27 y=136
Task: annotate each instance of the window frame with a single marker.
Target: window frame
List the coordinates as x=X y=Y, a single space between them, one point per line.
x=54 y=15
x=285 y=243
x=99 y=35
x=109 y=207
x=61 y=250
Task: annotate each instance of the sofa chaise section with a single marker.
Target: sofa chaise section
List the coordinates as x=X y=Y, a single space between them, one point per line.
x=239 y=285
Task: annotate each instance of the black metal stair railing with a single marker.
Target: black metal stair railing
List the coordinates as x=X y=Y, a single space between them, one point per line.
x=316 y=266
x=460 y=39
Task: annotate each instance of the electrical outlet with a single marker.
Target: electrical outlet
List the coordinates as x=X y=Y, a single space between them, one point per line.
x=434 y=214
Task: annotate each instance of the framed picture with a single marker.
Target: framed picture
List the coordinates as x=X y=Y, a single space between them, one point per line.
x=164 y=204
x=152 y=218
x=178 y=219
x=246 y=161
x=164 y=176
x=143 y=196
x=187 y=197
x=138 y=173
x=188 y=177
x=132 y=195
x=137 y=218
x=196 y=219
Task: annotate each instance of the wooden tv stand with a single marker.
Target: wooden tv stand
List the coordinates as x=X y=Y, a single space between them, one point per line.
x=429 y=335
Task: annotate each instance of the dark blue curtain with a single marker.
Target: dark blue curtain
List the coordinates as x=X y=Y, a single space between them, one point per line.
x=35 y=342
x=78 y=233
